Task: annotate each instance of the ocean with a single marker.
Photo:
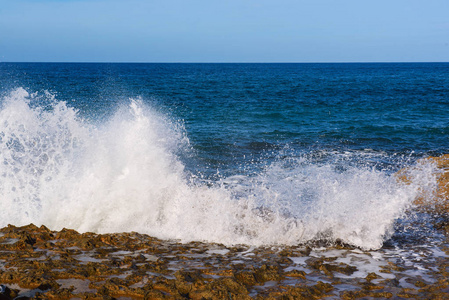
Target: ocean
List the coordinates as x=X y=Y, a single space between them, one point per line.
x=252 y=154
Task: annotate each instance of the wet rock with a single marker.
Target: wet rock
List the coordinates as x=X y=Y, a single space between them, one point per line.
x=63 y=293
x=189 y=276
x=371 y=276
x=318 y=291
x=328 y=268
x=439 y=200
x=245 y=278
x=267 y=273
x=6 y=293
x=224 y=288
x=186 y=281
x=296 y=273
x=67 y=264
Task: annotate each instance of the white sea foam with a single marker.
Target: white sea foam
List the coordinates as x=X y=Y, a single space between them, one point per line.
x=125 y=175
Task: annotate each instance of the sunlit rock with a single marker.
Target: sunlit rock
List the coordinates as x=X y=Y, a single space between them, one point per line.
x=433 y=196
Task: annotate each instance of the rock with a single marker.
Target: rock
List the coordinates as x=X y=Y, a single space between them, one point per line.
x=246 y=278
x=438 y=201
x=67 y=264
x=6 y=293
x=296 y=273
x=267 y=273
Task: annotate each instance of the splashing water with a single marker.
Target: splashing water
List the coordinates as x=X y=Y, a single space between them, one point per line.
x=124 y=174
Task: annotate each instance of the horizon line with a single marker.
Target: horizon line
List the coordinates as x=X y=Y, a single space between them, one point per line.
x=193 y=62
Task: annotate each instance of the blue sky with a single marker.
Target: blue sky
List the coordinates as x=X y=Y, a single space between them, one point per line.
x=224 y=31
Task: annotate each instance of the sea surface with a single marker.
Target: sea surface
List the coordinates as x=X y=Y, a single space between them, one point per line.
x=253 y=154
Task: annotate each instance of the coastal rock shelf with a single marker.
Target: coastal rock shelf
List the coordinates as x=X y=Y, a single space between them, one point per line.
x=38 y=263
x=434 y=199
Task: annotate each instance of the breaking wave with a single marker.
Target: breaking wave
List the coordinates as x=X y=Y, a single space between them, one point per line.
x=125 y=174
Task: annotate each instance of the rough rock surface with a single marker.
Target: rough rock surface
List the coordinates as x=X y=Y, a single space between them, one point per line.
x=438 y=201
x=37 y=263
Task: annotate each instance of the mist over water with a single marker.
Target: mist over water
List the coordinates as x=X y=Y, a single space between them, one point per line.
x=128 y=172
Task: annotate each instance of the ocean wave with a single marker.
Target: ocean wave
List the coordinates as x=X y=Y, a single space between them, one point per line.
x=125 y=174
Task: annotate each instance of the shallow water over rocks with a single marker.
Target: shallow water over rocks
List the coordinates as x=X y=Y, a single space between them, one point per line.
x=40 y=264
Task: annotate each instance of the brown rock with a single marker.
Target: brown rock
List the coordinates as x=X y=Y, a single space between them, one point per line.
x=267 y=273
x=296 y=273
x=439 y=200
x=67 y=234
x=246 y=278
x=6 y=293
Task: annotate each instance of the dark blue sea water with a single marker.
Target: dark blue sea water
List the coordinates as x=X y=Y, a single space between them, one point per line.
x=232 y=110
x=302 y=140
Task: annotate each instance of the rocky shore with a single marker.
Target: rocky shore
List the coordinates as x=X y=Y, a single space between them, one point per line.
x=37 y=263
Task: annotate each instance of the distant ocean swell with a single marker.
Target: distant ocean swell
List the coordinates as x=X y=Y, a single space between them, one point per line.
x=125 y=174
